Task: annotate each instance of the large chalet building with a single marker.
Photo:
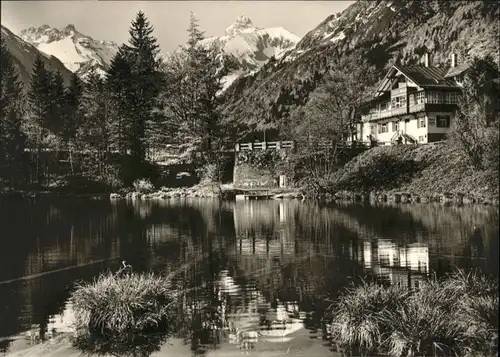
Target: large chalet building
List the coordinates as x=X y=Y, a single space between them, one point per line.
x=413 y=104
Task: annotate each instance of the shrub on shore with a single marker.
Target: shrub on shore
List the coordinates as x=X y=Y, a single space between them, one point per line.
x=476 y=311
x=127 y=315
x=423 y=325
x=143 y=186
x=356 y=317
x=456 y=316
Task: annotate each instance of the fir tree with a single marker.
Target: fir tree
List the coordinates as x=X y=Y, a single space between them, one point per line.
x=118 y=83
x=195 y=35
x=192 y=95
x=39 y=110
x=56 y=103
x=11 y=87
x=72 y=113
x=12 y=140
x=93 y=133
x=146 y=84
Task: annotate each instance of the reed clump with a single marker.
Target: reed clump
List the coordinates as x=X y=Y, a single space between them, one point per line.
x=453 y=316
x=125 y=314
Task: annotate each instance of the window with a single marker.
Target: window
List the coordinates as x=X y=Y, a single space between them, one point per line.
x=452 y=97
x=383 y=128
x=431 y=121
x=384 y=259
x=421 y=122
x=395 y=126
x=372 y=129
x=385 y=106
x=420 y=97
x=435 y=97
x=398 y=102
x=443 y=121
x=420 y=138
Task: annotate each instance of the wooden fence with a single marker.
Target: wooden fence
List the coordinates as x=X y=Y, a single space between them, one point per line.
x=289 y=145
x=265 y=145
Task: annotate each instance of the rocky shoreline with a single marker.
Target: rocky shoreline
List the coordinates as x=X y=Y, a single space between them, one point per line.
x=341 y=196
x=197 y=191
x=407 y=197
x=208 y=191
x=201 y=191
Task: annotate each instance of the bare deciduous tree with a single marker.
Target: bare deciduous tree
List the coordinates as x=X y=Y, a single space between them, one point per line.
x=329 y=118
x=477 y=118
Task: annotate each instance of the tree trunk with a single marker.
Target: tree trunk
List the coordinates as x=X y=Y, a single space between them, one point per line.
x=70 y=150
x=38 y=169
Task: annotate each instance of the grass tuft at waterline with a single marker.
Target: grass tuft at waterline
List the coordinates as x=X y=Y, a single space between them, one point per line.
x=355 y=317
x=455 y=316
x=128 y=315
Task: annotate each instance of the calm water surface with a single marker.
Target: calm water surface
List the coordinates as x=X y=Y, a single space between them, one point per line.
x=269 y=264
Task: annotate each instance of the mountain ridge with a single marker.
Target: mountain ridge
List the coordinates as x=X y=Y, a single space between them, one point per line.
x=78 y=52
x=24 y=54
x=250 y=47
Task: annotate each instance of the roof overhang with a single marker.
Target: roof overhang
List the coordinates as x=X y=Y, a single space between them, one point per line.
x=385 y=85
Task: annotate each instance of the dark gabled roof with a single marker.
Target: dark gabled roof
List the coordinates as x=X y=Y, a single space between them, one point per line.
x=427 y=76
x=421 y=75
x=455 y=71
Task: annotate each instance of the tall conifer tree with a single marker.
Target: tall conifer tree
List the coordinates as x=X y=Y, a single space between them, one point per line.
x=71 y=119
x=39 y=110
x=12 y=140
x=56 y=102
x=192 y=95
x=118 y=84
x=147 y=80
x=93 y=132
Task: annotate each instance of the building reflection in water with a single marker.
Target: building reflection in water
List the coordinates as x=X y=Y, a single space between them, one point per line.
x=260 y=270
x=408 y=264
x=255 y=318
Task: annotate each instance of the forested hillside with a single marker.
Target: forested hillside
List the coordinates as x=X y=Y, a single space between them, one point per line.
x=380 y=32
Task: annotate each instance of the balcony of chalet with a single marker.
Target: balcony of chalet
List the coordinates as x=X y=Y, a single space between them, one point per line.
x=402 y=102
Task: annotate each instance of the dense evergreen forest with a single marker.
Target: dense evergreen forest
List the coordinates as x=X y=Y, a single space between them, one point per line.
x=104 y=131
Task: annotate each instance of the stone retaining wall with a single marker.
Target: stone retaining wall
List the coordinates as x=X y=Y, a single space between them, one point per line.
x=246 y=176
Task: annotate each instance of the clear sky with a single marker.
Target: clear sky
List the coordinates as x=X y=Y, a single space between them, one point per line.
x=110 y=20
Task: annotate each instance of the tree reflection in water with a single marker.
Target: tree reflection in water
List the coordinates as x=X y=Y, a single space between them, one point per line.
x=280 y=250
x=5 y=344
x=136 y=345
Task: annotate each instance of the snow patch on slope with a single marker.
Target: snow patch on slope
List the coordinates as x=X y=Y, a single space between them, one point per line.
x=229 y=79
x=74 y=49
x=66 y=52
x=339 y=37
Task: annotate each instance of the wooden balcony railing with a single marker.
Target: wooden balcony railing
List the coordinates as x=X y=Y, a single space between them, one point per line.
x=265 y=145
x=384 y=114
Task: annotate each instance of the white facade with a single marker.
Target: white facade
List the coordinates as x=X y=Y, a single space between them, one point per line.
x=418 y=127
x=413 y=103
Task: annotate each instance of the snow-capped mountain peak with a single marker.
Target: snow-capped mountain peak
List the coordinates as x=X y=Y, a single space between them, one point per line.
x=78 y=52
x=251 y=47
x=240 y=25
x=24 y=55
